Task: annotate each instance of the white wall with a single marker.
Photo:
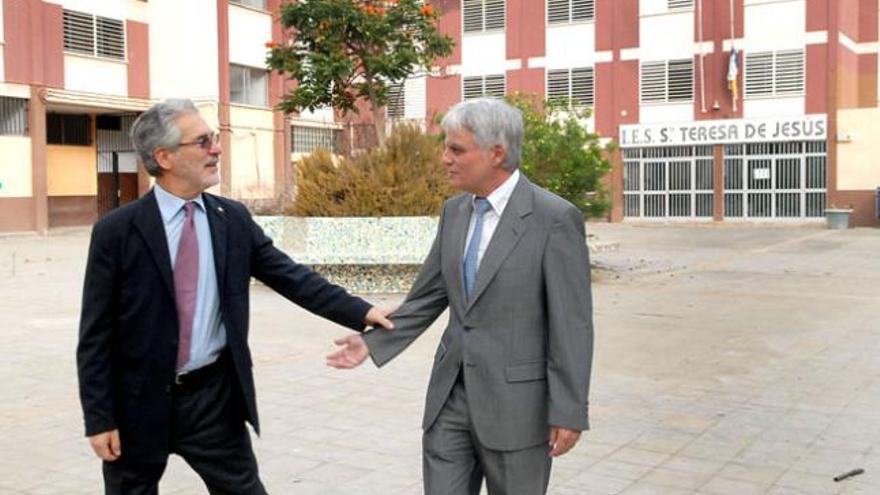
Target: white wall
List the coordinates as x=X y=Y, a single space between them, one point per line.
x=560 y=43
x=95 y=75
x=667 y=37
x=249 y=30
x=483 y=54
x=667 y=112
x=15 y=174
x=183 y=49
x=775 y=26
x=773 y=107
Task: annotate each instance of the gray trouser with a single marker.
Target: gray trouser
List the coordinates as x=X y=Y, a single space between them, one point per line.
x=455 y=463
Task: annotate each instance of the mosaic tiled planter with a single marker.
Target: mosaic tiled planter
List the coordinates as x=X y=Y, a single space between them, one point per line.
x=362 y=254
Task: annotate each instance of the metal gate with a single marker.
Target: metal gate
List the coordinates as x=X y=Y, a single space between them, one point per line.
x=117 y=164
x=775 y=180
x=668 y=182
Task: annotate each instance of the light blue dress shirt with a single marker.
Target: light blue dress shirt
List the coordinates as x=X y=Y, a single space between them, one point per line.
x=208 y=332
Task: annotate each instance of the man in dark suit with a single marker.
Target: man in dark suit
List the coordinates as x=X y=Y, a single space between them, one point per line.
x=163 y=359
x=511 y=376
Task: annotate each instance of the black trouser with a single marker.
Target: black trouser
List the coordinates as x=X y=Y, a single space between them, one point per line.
x=209 y=433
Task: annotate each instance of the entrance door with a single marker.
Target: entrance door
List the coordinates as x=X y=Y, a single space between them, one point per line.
x=117 y=164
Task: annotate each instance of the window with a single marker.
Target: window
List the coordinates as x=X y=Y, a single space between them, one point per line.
x=676 y=5
x=575 y=84
x=483 y=15
x=668 y=81
x=564 y=11
x=257 y=4
x=64 y=128
x=94 y=35
x=307 y=139
x=248 y=85
x=480 y=86
x=13 y=116
x=396 y=107
x=774 y=73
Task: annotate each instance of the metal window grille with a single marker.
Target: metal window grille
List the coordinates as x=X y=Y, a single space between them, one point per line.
x=558 y=83
x=789 y=72
x=759 y=74
x=396 y=107
x=577 y=85
x=680 y=80
x=257 y=4
x=674 y=5
x=775 y=73
x=494 y=14
x=248 y=85
x=495 y=86
x=653 y=82
x=70 y=129
x=583 y=86
x=775 y=180
x=484 y=86
x=564 y=11
x=307 y=139
x=473 y=15
x=94 y=35
x=483 y=15
x=13 y=116
x=671 y=182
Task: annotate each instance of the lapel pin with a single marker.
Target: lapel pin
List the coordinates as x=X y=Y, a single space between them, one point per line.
x=220 y=209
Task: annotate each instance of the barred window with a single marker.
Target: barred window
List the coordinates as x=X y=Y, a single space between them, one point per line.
x=307 y=139
x=13 y=116
x=94 y=35
x=483 y=15
x=667 y=81
x=480 y=86
x=396 y=107
x=774 y=73
x=248 y=85
x=70 y=129
x=576 y=85
x=564 y=11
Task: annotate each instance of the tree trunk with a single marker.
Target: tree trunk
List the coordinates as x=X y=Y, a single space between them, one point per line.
x=379 y=124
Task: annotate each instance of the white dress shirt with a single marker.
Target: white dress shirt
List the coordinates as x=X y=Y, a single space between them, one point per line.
x=498 y=199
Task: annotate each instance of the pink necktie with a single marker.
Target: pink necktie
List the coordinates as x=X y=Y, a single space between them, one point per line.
x=186 y=282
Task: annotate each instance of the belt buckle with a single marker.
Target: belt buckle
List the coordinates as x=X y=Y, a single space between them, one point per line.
x=177 y=378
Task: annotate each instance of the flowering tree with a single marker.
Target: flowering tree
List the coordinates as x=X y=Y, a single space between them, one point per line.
x=342 y=51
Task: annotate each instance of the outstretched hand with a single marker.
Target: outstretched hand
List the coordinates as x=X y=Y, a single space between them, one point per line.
x=353 y=353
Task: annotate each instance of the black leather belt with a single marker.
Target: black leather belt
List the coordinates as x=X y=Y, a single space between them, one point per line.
x=197 y=378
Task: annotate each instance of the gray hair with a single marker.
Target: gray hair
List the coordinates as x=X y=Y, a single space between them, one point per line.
x=492 y=122
x=157 y=128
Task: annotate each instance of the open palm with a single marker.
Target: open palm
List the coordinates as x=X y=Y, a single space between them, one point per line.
x=352 y=354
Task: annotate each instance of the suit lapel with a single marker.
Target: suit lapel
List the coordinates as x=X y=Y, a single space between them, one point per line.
x=148 y=221
x=217 y=220
x=507 y=234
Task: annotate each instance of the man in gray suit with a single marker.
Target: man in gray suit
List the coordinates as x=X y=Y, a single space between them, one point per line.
x=510 y=380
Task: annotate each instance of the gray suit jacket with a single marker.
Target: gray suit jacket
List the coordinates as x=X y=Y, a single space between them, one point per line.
x=525 y=339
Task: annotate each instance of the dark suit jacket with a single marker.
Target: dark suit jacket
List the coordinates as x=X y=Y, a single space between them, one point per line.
x=129 y=331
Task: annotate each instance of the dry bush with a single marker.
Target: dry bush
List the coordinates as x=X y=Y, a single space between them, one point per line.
x=403 y=178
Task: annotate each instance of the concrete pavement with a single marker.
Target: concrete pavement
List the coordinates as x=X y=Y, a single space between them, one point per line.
x=730 y=360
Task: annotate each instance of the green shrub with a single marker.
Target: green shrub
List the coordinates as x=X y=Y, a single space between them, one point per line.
x=403 y=178
x=561 y=156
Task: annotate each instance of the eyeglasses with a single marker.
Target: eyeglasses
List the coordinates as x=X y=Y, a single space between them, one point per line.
x=205 y=141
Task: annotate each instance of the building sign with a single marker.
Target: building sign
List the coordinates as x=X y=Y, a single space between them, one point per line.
x=800 y=128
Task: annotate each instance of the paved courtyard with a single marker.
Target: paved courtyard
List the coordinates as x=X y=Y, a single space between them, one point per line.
x=730 y=360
